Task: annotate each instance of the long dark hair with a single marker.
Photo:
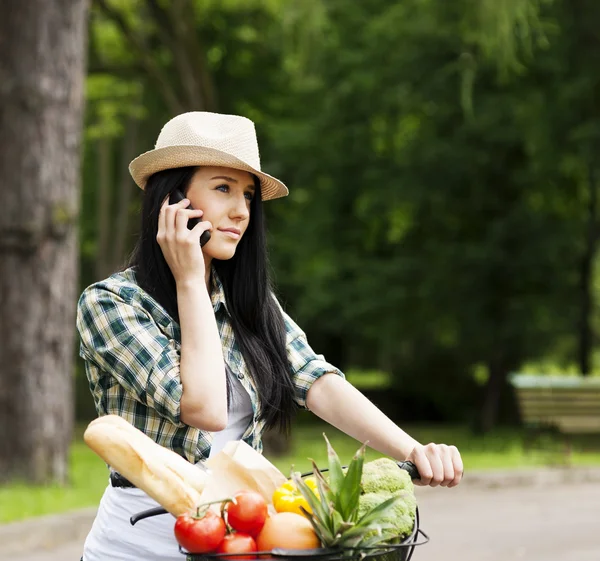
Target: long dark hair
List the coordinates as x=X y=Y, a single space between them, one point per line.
x=256 y=320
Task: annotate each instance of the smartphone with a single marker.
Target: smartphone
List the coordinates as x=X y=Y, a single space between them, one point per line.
x=177 y=196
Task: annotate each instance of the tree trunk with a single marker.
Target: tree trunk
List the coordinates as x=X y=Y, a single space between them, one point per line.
x=492 y=394
x=42 y=71
x=585 y=279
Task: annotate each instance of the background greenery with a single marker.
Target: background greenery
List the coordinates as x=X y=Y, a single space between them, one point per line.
x=442 y=224
x=442 y=161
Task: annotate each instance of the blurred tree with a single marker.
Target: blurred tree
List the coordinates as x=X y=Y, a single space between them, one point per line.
x=442 y=217
x=447 y=231
x=42 y=64
x=149 y=60
x=578 y=143
x=164 y=39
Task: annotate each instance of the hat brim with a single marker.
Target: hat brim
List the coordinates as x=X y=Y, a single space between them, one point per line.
x=148 y=163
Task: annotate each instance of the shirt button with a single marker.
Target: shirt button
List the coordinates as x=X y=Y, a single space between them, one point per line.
x=240 y=375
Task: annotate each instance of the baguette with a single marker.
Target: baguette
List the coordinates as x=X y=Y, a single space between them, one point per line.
x=165 y=476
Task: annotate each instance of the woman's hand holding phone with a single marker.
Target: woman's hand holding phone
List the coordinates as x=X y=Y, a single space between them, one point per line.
x=181 y=246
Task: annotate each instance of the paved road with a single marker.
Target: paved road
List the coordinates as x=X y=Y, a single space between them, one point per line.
x=537 y=524
x=472 y=524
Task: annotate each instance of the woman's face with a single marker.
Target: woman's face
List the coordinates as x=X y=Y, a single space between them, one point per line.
x=224 y=194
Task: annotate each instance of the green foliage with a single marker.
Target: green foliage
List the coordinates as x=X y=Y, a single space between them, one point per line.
x=508 y=32
x=440 y=158
x=111 y=100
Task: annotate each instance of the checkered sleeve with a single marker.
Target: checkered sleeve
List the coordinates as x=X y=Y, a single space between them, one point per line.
x=122 y=339
x=306 y=365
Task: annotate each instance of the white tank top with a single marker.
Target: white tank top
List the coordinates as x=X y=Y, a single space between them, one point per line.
x=113 y=538
x=239 y=415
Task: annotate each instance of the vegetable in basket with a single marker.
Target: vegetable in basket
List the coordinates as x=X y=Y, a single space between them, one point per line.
x=287 y=530
x=356 y=507
x=382 y=480
x=247 y=512
x=238 y=543
x=287 y=498
x=242 y=519
x=200 y=532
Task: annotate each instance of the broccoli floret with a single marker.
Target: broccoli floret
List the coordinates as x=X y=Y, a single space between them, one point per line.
x=369 y=501
x=384 y=474
x=401 y=517
x=382 y=479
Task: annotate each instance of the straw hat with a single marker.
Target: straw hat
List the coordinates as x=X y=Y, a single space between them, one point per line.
x=199 y=138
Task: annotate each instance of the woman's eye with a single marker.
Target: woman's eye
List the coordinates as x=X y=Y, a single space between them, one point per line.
x=249 y=195
x=224 y=188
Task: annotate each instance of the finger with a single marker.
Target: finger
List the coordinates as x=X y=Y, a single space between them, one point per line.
x=419 y=458
x=162 y=220
x=182 y=218
x=458 y=466
x=201 y=227
x=183 y=203
x=447 y=465
x=437 y=467
x=171 y=216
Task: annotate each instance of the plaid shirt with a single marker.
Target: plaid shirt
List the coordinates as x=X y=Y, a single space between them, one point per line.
x=131 y=348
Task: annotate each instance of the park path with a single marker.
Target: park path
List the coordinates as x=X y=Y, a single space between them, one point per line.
x=534 y=523
x=558 y=523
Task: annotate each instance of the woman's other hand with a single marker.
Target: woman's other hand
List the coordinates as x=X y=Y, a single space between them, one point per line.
x=438 y=464
x=180 y=246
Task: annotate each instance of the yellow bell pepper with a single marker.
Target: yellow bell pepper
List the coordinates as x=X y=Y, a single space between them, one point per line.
x=287 y=498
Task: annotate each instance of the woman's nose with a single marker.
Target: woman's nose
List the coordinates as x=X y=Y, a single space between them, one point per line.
x=240 y=209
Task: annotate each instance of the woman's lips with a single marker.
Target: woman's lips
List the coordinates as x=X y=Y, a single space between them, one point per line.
x=231 y=232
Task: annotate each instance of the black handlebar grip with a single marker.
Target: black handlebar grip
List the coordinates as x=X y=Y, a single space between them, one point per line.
x=411 y=469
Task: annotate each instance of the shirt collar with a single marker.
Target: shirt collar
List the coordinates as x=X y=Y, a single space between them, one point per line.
x=217 y=292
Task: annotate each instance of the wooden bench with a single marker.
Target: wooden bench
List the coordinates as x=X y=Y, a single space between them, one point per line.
x=567 y=404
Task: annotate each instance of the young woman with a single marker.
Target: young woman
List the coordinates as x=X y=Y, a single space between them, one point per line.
x=189 y=343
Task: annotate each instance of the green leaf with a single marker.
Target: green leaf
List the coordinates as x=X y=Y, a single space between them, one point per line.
x=372 y=541
x=325 y=535
x=336 y=474
x=325 y=491
x=318 y=507
x=336 y=523
x=350 y=489
x=356 y=534
x=339 y=525
x=378 y=512
x=322 y=510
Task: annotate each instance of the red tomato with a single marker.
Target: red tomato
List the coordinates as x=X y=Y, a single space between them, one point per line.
x=248 y=513
x=200 y=535
x=238 y=543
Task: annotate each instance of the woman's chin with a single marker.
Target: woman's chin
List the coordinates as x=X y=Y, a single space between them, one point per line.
x=221 y=253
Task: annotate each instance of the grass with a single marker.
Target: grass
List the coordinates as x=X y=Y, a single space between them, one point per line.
x=501 y=450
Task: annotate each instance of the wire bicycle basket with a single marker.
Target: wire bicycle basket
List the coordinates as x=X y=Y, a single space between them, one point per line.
x=402 y=551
